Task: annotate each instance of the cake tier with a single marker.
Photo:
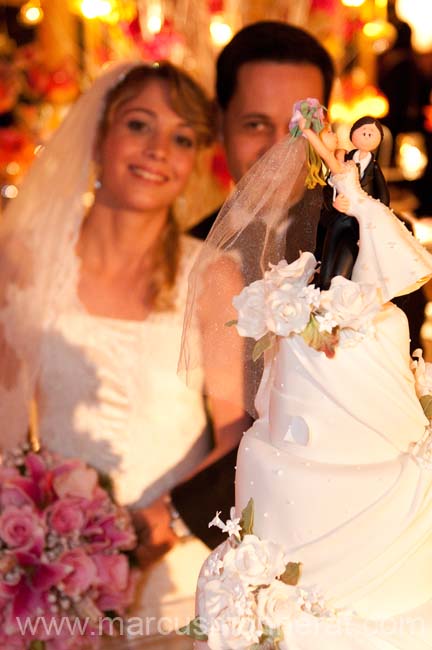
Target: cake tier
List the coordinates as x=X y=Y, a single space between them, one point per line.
x=363 y=532
x=358 y=407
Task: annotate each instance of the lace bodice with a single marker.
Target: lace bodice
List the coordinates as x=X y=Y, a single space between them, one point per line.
x=109 y=393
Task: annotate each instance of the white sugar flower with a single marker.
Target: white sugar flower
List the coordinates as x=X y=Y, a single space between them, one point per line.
x=277 y=604
x=229 y=609
x=217 y=521
x=351 y=304
x=422 y=374
x=251 y=308
x=298 y=273
x=234 y=633
x=288 y=312
x=326 y=322
x=213 y=565
x=255 y=561
x=311 y=295
x=232 y=525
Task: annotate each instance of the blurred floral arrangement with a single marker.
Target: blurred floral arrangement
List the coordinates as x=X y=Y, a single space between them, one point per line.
x=32 y=101
x=63 y=566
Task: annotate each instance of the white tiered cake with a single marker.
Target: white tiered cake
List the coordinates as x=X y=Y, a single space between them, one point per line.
x=337 y=466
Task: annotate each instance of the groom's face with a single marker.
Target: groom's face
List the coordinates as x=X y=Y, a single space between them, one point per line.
x=260 y=109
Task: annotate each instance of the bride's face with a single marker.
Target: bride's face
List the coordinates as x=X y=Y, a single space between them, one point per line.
x=147 y=154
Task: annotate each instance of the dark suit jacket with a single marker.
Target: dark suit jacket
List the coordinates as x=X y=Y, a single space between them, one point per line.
x=202 y=229
x=373 y=181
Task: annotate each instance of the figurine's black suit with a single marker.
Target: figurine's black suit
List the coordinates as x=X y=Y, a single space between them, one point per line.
x=340 y=248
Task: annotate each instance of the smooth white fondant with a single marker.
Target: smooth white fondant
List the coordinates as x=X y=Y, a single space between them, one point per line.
x=359 y=407
x=330 y=469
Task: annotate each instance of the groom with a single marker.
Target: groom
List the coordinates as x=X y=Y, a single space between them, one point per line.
x=261 y=73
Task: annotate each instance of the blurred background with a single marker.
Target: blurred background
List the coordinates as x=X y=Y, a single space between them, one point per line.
x=51 y=49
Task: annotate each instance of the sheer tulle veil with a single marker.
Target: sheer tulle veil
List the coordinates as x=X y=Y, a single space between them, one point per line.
x=270 y=216
x=38 y=234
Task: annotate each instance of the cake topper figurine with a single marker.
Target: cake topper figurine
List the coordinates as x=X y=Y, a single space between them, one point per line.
x=340 y=247
x=389 y=256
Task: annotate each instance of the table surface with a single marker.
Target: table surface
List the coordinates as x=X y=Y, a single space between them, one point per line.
x=159 y=642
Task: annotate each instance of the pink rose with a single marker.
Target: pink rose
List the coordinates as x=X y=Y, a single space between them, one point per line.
x=76 y=480
x=66 y=515
x=20 y=528
x=112 y=571
x=116 y=583
x=82 y=572
x=118 y=531
x=12 y=495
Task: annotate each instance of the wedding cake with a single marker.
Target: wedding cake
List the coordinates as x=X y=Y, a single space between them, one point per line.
x=334 y=479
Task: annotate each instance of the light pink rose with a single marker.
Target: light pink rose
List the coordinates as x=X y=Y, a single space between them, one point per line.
x=78 y=480
x=66 y=515
x=20 y=528
x=112 y=571
x=11 y=495
x=82 y=572
x=116 y=583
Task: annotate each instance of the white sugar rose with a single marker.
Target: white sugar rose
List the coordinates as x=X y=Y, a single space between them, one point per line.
x=277 y=604
x=298 y=273
x=227 y=609
x=288 y=311
x=350 y=304
x=226 y=595
x=422 y=374
x=234 y=633
x=251 y=308
x=255 y=561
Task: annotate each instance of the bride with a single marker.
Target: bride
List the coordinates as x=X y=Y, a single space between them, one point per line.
x=91 y=303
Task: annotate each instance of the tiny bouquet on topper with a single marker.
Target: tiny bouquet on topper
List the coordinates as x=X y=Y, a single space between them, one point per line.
x=64 y=572
x=312 y=111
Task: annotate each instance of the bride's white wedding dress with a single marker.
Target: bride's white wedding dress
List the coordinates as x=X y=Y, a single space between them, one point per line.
x=109 y=393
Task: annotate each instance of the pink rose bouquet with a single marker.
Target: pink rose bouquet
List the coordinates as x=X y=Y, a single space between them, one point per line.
x=63 y=566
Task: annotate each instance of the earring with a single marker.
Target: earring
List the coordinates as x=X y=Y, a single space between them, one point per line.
x=97 y=184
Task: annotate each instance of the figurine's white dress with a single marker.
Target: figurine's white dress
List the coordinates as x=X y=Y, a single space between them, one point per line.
x=109 y=393
x=389 y=256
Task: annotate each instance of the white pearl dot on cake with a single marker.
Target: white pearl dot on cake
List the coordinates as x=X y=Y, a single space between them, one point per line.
x=246 y=448
x=265 y=515
x=251 y=483
x=279 y=472
x=278 y=453
x=307 y=464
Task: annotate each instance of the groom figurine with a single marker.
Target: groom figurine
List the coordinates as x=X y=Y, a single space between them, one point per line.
x=366 y=135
